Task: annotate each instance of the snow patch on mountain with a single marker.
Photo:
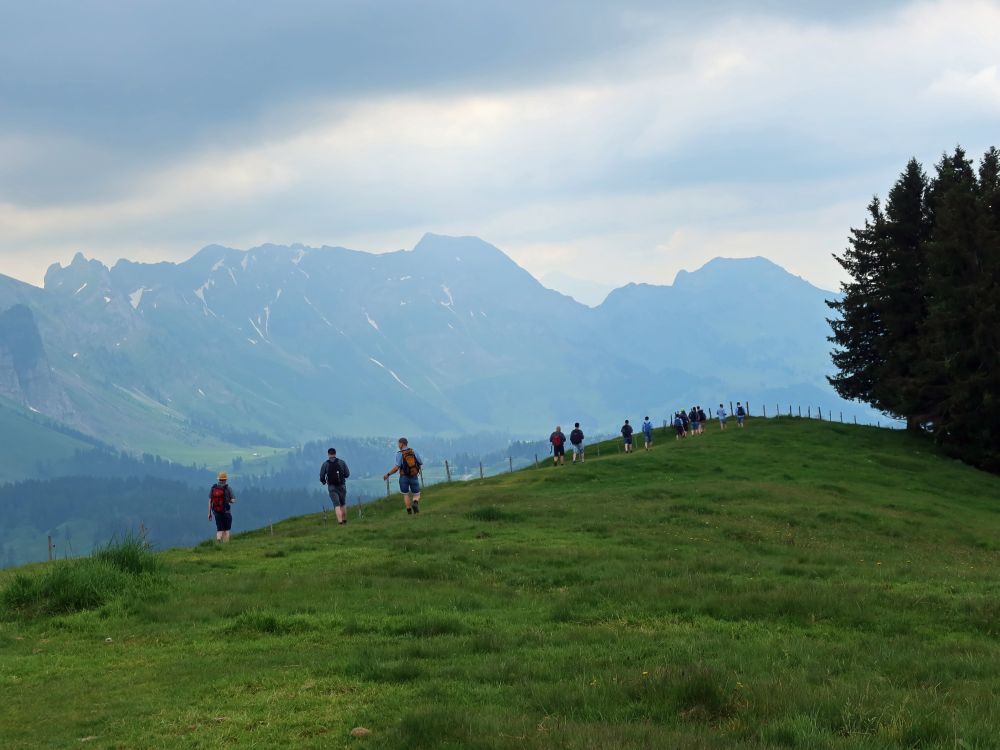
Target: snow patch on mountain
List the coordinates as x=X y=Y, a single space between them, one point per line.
x=136 y=297
x=371 y=322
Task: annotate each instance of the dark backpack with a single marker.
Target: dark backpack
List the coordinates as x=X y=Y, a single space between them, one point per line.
x=740 y=412
x=218 y=498
x=334 y=475
x=576 y=436
x=411 y=466
x=556 y=439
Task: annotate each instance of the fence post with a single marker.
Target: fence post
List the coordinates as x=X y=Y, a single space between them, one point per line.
x=809 y=412
x=765 y=411
x=510 y=460
x=481 y=468
x=447 y=470
x=272 y=528
x=879 y=424
x=598 y=450
x=536 y=460
x=819 y=414
x=748 y=408
x=855 y=419
x=829 y=415
x=800 y=409
x=50 y=548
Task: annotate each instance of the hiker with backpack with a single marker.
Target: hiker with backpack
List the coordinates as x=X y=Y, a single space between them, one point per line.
x=576 y=440
x=721 y=414
x=334 y=473
x=220 y=500
x=627 y=436
x=702 y=420
x=408 y=464
x=678 y=426
x=693 y=419
x=741 y=414
x=558 y=440
x=647 y=432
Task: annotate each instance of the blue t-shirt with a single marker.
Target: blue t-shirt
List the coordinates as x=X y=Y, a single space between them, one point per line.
x=721 y=414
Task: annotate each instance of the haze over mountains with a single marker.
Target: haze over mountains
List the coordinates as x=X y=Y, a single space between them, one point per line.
x=283 y=344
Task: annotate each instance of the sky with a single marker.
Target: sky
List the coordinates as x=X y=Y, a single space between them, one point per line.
x=597 y=143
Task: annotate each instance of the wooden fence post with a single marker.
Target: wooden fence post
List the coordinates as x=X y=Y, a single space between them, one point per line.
x=447 y=470
x=800 y=409
x=809 y=412
x=510 y=460
x=765 y=411
x=50 y=548
x=481 y=469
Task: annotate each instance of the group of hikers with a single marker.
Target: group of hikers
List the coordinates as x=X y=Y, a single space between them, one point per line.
x=333 y=474
x=685 y=423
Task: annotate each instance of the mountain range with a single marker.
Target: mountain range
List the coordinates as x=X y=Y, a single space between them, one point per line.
x=280 y=344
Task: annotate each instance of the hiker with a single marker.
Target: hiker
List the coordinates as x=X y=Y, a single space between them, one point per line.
x=334 y=473
x=685 y=421
x=693 y=419
x=220 y=500
x=576 y=440
x=702 y=419
x=558 y=440
x=741 y=414
x=678 y=426
x=408 y=465
x=647 y=432
x=721 y=414
x=627 y=434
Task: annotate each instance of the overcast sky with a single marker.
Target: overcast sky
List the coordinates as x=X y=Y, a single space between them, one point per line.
x=615 y=142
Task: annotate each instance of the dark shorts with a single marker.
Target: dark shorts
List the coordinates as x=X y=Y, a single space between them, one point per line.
x=558 y=450
x=409 y=485
x=223 y=520
x=628 y=440
x=338 y=494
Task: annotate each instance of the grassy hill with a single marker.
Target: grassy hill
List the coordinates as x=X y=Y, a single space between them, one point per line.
x=793 y=584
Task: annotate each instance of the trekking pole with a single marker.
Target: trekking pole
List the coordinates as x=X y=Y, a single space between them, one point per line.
x=387 y=488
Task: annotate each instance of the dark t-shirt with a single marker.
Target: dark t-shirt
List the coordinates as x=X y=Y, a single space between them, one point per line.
x=576 y=436
x=627 y=431
x=328 y=473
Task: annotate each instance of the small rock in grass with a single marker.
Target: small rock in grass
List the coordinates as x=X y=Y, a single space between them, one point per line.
x=108 y=640
x=360 y=732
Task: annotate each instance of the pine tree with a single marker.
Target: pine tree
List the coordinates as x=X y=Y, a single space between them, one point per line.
x=900 y=295
x=858 y=330
x=948 y=351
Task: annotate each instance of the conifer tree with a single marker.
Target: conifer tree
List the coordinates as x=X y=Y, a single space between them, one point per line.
x=858 y=330
x=948 y=354
x=900 y=294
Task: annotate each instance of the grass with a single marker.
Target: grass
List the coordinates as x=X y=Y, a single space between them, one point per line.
x=793 y=584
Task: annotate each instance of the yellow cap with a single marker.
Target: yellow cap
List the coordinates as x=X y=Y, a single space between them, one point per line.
x=223 y=476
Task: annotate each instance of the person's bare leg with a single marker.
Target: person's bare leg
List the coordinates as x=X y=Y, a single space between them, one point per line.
x=407 y=502
x=341 y=513
x=416 y=502
x=225 y=537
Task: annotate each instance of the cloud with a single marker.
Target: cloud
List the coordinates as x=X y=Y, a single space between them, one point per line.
x=666 y=140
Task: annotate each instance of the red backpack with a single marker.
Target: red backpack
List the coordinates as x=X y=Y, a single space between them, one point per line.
x=218 y=498
x=556 y=439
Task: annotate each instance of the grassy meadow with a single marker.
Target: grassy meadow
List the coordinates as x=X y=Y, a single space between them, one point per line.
x=792 y=584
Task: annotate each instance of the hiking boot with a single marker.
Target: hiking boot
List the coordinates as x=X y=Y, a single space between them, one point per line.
x=416 y=508
x=409 y=511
